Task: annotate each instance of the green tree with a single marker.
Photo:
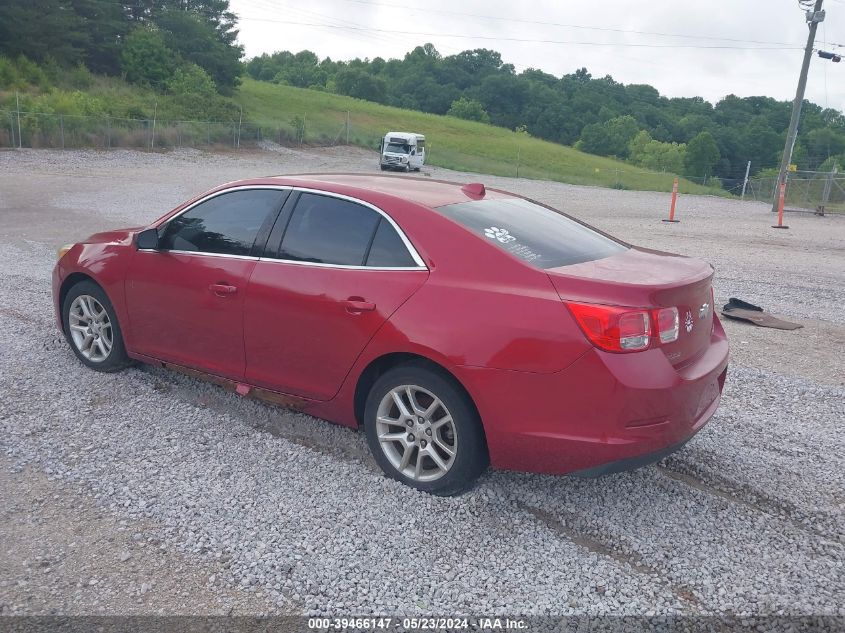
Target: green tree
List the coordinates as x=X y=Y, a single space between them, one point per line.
x=41 y=28
x=595 y=139
x=197 y=39
x=145 y=58
x=468 y=109
x=191 y=79
x=660 y=156
x=621 y=131
x=358 y=83
x=610 y=138
x=636 y=148
x=701 y=156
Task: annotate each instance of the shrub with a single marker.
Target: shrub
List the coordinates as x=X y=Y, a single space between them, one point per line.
x=468 y=109
x=191 y=79
x=79 y=77
x=9 y=76
x=31 y=73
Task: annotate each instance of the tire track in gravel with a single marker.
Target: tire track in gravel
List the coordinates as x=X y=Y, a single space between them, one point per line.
x=562 y=526
x=328 y=439
x=739 y=494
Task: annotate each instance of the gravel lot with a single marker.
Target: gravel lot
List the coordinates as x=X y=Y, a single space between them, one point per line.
x=151 y=492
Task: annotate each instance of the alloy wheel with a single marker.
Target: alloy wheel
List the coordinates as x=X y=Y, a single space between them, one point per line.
x=416 y=432
x=90 y=328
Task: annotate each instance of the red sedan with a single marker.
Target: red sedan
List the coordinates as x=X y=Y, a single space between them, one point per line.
x=459 y=326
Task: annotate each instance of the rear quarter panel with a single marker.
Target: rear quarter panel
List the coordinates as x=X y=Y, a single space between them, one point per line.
x=480 y=306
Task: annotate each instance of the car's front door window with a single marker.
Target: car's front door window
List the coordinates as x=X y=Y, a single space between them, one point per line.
x=226 y=224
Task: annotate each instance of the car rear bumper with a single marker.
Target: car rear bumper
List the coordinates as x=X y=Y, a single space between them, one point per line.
x=604 y=413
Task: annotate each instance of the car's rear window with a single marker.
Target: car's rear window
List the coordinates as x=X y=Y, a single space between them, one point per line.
x=533 y=233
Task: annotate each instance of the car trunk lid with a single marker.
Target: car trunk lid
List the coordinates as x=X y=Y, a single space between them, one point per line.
x=642 y=278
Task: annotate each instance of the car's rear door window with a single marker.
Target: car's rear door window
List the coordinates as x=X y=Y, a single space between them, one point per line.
x=388 y=250
x=327 y=230
x=531 y=232
x=227 y=224
x=324 y=229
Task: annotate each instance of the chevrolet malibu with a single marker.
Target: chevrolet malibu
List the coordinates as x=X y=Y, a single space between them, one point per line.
x=459 y=326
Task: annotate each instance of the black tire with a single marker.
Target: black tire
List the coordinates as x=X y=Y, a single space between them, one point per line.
x=470 y=459
x=383 y=167
x=116 y=359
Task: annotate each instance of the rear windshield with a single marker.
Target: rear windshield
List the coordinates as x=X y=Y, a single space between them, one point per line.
x=535 y=234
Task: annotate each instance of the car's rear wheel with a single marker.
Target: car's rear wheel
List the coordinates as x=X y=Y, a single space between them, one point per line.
x=91 y=328
x=423 y=431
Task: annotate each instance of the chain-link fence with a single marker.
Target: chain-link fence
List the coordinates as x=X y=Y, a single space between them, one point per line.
x=42 y=130
x=812 y=191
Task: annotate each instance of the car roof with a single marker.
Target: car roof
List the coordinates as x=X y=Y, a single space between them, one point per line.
x=424 y=191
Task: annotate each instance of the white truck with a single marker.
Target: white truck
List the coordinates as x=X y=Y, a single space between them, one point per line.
x=402 y=150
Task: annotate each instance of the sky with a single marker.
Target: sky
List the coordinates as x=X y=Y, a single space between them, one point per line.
x=681 y=47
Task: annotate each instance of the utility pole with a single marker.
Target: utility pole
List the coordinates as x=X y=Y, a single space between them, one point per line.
x=813 y=18
x=745 y=182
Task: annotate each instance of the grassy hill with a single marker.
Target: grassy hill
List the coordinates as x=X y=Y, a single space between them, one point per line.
x=452 y=143
x=77 y=109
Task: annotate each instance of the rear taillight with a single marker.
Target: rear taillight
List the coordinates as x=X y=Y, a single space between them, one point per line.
x=613 y=328
x=668 y=324
x=620 y=329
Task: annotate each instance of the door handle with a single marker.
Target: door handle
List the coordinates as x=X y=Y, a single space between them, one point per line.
x=357 y=305
x=223 y=290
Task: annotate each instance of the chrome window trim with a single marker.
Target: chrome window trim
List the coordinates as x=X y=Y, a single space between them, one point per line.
x=202 y=253
x=274 y=260
x=410 y=247
x=220 y=193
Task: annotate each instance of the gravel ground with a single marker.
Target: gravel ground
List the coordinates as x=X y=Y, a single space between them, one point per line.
x=225 y=504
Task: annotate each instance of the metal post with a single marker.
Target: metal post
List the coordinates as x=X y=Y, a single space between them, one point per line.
x=153 y=136
x=240 y=120
x=304 y=123
x=813 y=18
x=347 y=127
x=518 y=153
x=108 y=132
x=62 y=127
x=208 y=133
x=18 y=106
x=828 y=183
x=745 y=181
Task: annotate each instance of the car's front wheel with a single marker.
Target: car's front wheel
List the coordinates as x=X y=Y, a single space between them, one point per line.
x=423 y=430
x=91 y=328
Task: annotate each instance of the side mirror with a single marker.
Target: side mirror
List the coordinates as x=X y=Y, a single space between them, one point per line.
x=147 y=240
x=413 y=152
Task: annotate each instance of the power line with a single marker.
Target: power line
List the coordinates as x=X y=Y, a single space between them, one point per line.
x=571 y=26
x=524 y=40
